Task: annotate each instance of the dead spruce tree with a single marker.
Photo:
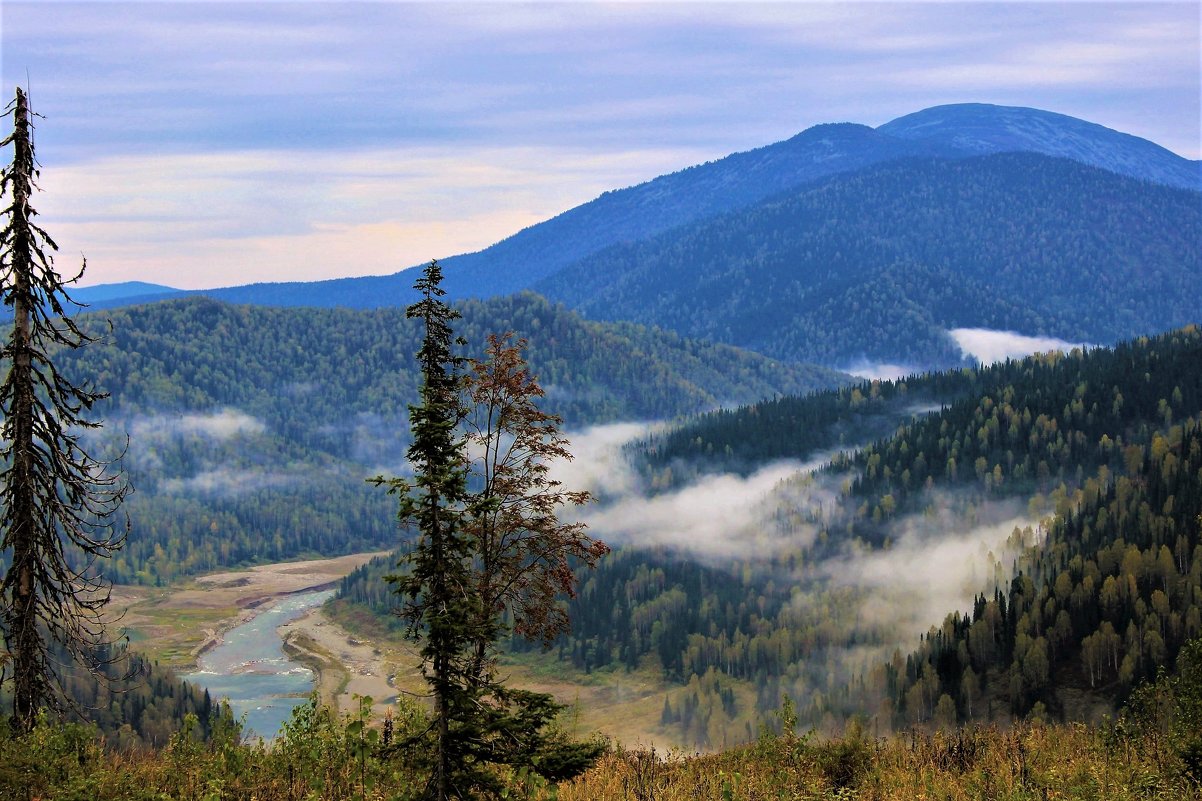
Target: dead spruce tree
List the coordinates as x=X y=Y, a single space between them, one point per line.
x=58 y=502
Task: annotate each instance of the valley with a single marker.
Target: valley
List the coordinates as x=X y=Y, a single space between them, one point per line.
x=174 y=625
x=863 y=433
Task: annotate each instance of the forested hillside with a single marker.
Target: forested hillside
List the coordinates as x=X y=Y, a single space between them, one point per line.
x=251 y=430
x=135 y=703
x=951 y=497
x=879 y=264
x=1106 y=602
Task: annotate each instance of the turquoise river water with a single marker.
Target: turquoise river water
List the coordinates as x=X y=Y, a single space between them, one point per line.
x=249 y=668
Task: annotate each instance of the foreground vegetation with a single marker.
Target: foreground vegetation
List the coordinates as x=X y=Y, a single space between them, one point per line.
x=320 y=757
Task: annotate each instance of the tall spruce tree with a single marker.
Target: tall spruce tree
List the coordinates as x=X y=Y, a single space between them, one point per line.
x=436 y=580
x=57 y=502
x=477 y=722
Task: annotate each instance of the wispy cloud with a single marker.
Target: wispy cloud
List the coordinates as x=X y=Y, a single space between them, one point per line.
x=988 y=346
x=194 y=221
x=221 y=425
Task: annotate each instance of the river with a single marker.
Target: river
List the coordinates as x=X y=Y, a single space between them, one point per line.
x=249 y=668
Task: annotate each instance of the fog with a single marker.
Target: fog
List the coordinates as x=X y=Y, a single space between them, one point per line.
x=988 y=346
x=221 y=425
x=935 y=565
x=984 y=345
x=883 y=371
x=374 y=439
x=936 y=562
x=600 y=465
x=228 y=483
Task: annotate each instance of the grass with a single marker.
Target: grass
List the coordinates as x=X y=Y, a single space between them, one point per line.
x=323 y=757
x=1021 y=764
x=166 y=632
x=624 y=705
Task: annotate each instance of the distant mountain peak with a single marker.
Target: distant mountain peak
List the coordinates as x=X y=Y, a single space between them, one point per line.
x=533 y=257
x=983 y=128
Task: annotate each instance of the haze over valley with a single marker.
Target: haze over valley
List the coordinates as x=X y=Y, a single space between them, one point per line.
x=884 y=420
x=848 y=255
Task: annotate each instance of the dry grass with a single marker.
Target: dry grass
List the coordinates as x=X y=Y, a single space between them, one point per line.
x=324 y=760
x=1027 y=763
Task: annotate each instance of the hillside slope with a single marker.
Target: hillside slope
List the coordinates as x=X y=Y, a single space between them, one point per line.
x=880 y=263
x=836 y=568
x=260 y=425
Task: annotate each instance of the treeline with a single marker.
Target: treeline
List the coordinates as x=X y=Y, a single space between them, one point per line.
x=309 y=373
x=172 y=537
x=1039 y=425
x=797 y=427
x=881 y=262
x=134 y=703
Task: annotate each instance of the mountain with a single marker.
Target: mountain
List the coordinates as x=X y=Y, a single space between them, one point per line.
x=880 y=263
x=261 y=424
x=542 y=255
x=126 y=293
x=980 y=129
x=623 y=215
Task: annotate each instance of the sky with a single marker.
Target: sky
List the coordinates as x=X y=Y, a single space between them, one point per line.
x=211 y=144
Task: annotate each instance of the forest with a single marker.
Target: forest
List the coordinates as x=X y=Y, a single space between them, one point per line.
x=251 y=431
x=1044 y=437
x=878 y=264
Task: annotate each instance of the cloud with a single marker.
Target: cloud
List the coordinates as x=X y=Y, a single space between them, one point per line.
x=988 y=346
x=226 y=483
x=222 y=425
x=934 y=566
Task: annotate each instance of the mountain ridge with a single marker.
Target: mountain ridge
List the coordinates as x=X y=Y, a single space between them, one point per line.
x=983 y=128
x=736 y=181
x=879 y=264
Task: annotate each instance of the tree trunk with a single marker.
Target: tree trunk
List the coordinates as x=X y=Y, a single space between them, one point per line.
x=27 y=646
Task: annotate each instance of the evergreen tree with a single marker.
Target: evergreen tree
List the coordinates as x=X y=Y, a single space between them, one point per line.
x=477 y=723
x=435 y=582
x=57 y=501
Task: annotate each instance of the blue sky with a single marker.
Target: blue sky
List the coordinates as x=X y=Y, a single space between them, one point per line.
x=206 y=144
